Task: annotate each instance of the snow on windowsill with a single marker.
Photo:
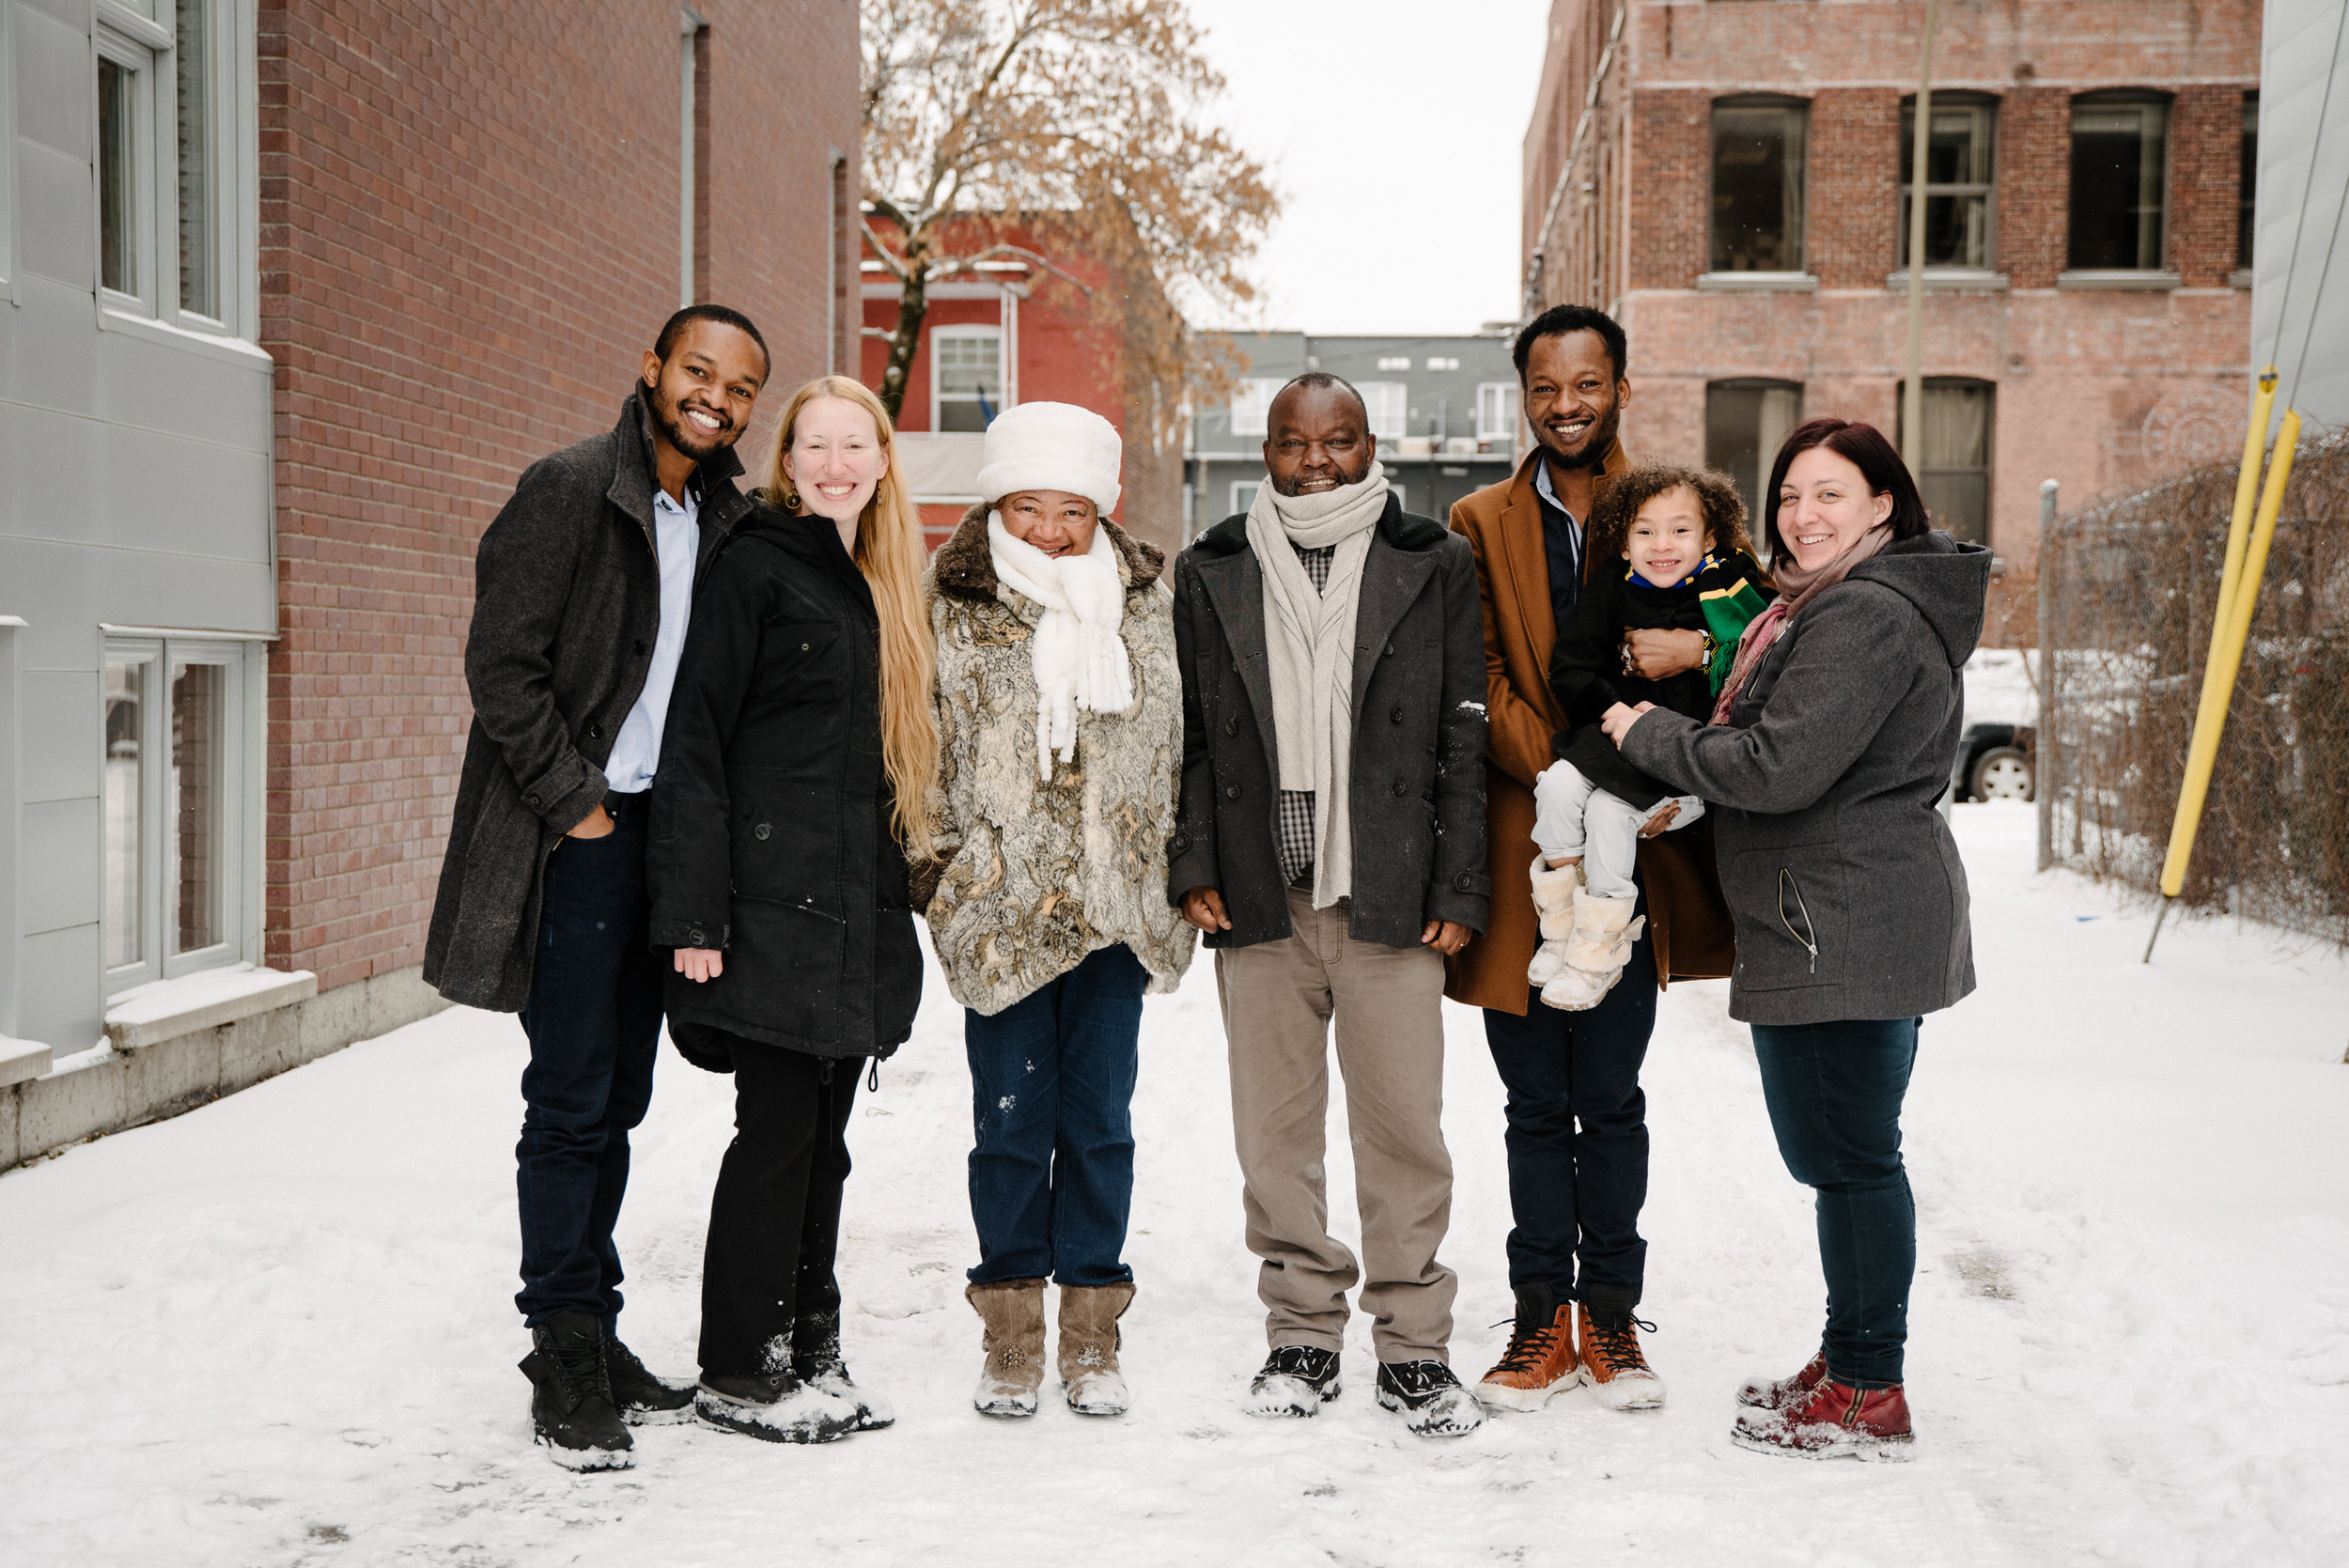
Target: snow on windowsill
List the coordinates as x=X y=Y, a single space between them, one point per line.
x=166 y=1009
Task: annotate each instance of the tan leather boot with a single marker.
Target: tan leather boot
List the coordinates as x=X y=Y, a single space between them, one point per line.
x=1013 y=1314
x=1089 y=1338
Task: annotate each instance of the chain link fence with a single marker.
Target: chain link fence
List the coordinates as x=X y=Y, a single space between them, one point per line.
x=2133 y=585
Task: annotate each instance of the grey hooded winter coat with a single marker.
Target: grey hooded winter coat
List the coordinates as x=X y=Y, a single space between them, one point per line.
x=1849 y=898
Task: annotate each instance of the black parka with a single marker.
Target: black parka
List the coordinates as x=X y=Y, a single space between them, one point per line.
x=770 y=834
x=567 y=605
x=1418 y=807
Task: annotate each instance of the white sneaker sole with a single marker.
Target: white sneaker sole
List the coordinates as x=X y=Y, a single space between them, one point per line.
x=584 y=1460
x=1846 y=1445
x=1423 y=1426
x=1288 y=1397
x=1503 y=1396
x=1629 y=1394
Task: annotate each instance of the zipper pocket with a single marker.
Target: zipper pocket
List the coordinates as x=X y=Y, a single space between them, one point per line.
x=1808 y=936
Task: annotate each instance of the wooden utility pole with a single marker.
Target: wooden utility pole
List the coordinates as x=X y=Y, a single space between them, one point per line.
x=1913 y=389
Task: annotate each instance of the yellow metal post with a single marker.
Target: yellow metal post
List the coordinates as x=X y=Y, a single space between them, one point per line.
x=2247 y=489
x=2233 y=630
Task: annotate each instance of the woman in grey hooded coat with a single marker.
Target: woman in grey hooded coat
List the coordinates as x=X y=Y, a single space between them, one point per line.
x=1828 y=749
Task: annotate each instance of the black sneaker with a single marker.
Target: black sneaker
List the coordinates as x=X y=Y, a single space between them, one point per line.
x=816 y=1361
x=1297 y=1380
x=1431 y=1399
x=774 y=1407
x=571 y=1404
x=642 y=1397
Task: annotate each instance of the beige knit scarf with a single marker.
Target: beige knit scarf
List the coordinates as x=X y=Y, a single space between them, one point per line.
x=1309 y=640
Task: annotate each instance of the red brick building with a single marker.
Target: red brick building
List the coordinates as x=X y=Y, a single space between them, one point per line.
x=1730 y=178
x=1013 y=330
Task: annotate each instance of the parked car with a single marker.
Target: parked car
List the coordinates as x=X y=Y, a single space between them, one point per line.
x=1998 y=748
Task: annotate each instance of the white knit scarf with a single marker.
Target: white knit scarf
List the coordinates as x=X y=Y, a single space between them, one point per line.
x=1078 y=658
x=1309 y=640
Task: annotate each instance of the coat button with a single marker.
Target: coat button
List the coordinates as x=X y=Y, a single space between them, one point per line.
x=1231 y=726
x=1396 y=716
x=803 y=647
x=1390 y=653
x=761 y=832
x=694 y=936
x=1464 y=881
x=1182 y=842
x=1230 y=792
x=595 y=732
x=530 y=800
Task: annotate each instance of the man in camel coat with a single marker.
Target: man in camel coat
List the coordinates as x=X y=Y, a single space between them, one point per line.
x=1578 y=1134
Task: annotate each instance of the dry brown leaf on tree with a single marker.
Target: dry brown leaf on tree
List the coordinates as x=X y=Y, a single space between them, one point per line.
x=1012 y=129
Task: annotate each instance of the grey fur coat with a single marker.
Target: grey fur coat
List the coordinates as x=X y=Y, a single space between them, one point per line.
x=1031 y=877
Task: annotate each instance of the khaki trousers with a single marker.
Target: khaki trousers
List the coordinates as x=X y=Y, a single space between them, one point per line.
x=1278 y=1000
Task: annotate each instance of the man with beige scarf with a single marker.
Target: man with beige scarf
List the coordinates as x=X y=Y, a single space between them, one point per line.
x=1329 y=840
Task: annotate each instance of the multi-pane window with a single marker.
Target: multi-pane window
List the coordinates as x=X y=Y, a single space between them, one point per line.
x=1953 y=456
x=171 y=793
x=2246 y=185
x=1252 y=404
x=1244 y=493
x=1497 y=412
x=2119 y=178
x=118 y=176
x=967 y=377
x=1758 y=157
x=1389 y=404
x=1744 y=422
x=1959 y=181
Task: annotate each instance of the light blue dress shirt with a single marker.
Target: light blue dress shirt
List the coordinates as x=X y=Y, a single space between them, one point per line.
x=676 y=535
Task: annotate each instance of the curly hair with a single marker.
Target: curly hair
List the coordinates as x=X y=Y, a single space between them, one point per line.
x=1621 y=496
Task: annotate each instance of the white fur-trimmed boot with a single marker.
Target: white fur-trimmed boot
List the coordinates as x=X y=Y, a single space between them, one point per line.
x=1603 y=934
x=1554 y=901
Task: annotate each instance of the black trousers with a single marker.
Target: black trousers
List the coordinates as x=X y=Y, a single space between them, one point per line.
x=1578 y=1138
x=774 y=1220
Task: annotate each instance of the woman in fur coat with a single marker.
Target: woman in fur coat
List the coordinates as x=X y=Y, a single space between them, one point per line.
x=1061 y=730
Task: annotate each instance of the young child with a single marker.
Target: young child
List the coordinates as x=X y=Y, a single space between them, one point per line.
x=1687 y=566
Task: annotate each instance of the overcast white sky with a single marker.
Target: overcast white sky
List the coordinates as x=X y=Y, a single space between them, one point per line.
x=1393 y=132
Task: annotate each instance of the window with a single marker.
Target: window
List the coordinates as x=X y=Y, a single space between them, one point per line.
x=1395 y=361
x=1744 y=422
x=199 y=219
x=1445 y=362
x=1252 y=405
x=1389 y=403
x=1953 y=455
x=2119 y=169
x=1959 y=181
x=692 y=157
x=118 y=176
x=1244 y=493
x=1497 y=412
x=1758 y=186
x=2246 y=185
x=173 y=790
x=966 y=376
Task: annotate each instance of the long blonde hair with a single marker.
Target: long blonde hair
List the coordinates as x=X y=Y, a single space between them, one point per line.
x=889 y=552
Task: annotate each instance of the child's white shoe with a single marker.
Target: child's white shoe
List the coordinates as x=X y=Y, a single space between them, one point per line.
x=1553 y=900
x=1604 y=932
x=1548 y=959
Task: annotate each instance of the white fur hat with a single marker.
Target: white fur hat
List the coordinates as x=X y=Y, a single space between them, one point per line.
x=1051 y=447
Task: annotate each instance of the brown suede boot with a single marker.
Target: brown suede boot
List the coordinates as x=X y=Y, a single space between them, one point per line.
x=1013 y=1312
x=1089 y=1338
x=1621 y=1379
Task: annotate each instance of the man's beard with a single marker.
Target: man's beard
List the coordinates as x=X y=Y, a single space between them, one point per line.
x=1295 y=487
x=696 y=443
x=1596 y=440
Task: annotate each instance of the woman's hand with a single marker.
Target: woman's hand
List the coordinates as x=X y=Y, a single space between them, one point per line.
x=700 y=964
x=595 y=824
x=1617 y=720
x=1446 y=937
x=1658 y=655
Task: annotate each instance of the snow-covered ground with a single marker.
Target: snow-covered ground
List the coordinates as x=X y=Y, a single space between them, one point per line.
x=279 y=1330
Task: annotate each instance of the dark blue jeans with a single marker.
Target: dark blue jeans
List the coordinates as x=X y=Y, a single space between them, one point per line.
x=1053 y=1091
x=594 y=1022
x=1834 y=1091
x=1578 y=1138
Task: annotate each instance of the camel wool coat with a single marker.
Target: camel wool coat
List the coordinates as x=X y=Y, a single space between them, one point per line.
x=1687 y=919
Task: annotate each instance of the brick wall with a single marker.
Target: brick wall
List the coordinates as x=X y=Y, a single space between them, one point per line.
x=2034 y=184
x=1853 y=211
x=1672 y=179
x=2205 y=165
x=468 y=235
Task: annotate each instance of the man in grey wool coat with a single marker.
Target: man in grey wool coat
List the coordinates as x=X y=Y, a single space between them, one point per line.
x=1329 y=840
x=582 y=591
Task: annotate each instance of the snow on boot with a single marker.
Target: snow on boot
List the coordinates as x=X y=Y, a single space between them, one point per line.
x=1621 y=1379
x=1431 y=1399
x=643 y=1398
x=1540 y=1360
x=816 y=1359
x=1604 y=932
x=571 y=1414
x=1834 y=1421
x=1553 y=898
x=1776 y=1393
x=1295 y=1381
x=1089 y=1338
x=1013 y=1312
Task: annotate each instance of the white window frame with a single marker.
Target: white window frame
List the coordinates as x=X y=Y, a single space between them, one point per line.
x=1984 y=111
x=1244 y=493
x=1252 y=404
x=965 y=330
x=1388 y=406
x=111 y=44
x=159 y=827
x=1509 y=396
